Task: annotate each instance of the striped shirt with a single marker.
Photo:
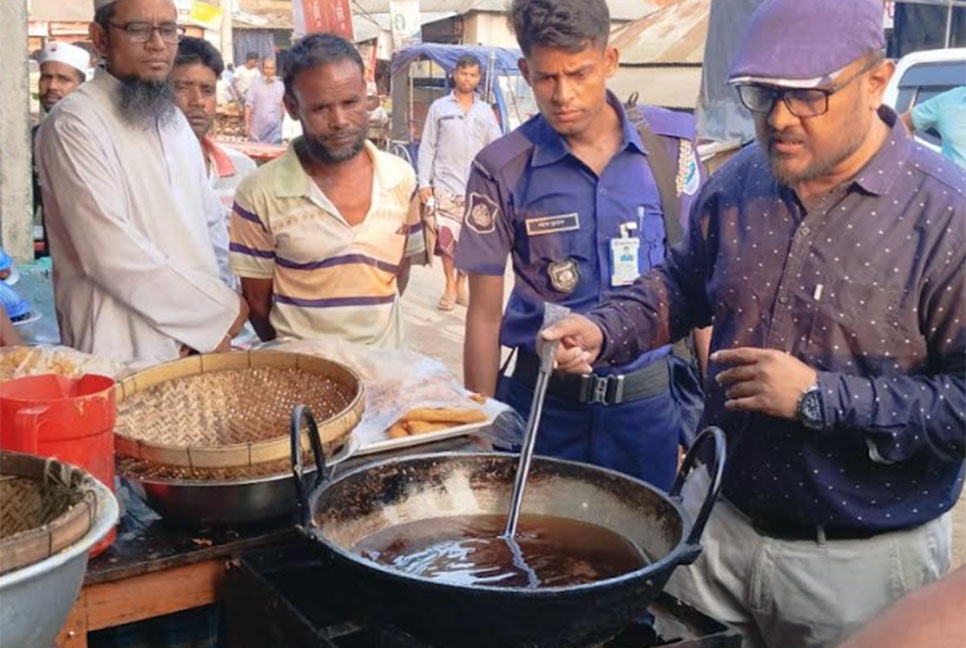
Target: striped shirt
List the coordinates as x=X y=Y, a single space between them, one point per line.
x=329 y=278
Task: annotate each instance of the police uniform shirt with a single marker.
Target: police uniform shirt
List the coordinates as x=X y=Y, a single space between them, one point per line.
x=529 y=196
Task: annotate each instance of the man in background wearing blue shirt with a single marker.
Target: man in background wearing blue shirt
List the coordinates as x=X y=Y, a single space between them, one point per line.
x=457 y=127
x=585 y=197
x=946 y=113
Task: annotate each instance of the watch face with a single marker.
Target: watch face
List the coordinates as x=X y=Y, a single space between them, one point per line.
x=811 y=409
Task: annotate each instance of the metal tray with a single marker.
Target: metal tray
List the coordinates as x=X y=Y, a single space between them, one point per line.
x=492 y=409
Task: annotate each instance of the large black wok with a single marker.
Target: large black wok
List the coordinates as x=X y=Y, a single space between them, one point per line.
x=339 y=513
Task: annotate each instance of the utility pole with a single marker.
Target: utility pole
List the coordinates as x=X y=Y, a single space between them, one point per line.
x=16 y=201
x=227 y=41
x=949 y=23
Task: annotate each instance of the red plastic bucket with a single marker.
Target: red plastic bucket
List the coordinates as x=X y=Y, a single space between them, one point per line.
x=68 y=418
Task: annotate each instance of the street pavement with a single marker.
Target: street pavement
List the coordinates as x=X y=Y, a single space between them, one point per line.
x=430 y=331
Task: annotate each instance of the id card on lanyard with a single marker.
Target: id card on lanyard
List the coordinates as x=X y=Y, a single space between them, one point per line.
x=625 y=255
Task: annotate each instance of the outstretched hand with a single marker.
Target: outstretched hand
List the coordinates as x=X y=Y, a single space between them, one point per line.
x=580 y=343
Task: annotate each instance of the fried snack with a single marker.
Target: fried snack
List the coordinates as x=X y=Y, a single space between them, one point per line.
x=422 y=427
x=451 y=415
x=479 y=399
x=19 y=361
x=423 y=420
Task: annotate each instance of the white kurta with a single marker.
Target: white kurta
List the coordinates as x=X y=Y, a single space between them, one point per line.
x=128 y=212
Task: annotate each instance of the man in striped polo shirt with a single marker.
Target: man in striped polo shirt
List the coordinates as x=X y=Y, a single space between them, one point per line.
x=321 y=237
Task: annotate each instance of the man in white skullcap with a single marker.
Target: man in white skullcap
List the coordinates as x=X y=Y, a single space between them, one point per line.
x=134 y=227
x=63 y=67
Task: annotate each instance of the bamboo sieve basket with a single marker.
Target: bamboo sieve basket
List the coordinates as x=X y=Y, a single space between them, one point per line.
x=232 y=410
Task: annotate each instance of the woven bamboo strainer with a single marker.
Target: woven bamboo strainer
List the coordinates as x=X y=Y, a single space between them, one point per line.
x=232 y=410
x=45 y=506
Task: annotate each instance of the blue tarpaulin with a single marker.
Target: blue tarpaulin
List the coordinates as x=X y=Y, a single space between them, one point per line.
x=505 y=66
x=446 y=56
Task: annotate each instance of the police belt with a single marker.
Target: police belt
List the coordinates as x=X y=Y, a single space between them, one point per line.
x=646 y=382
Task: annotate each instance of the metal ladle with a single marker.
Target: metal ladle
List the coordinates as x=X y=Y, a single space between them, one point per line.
x=547 y=352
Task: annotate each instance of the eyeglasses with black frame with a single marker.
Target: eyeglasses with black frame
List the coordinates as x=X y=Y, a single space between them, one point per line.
x=142 y=32
x=801 y=102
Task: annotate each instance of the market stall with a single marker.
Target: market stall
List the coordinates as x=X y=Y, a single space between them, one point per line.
x=221 y=480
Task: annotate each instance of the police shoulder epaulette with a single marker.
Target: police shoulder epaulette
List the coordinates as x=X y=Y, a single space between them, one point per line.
x=481 y=168
x=671 y=123
x=496 y=155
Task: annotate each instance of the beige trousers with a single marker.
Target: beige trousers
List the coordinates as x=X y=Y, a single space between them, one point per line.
x=804 y=593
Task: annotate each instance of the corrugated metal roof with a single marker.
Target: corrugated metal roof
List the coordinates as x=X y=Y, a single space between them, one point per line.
x=277 y=13
x=674 y=34
x=620 y=10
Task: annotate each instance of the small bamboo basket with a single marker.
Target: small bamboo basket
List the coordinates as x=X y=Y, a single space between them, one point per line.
x=231 y=411
x=45 y=507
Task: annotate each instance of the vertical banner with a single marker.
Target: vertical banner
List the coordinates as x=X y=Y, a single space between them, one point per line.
x=368 y=53
x=406 y=30
x=384 y=46
x=889 y=21
x=333 y=16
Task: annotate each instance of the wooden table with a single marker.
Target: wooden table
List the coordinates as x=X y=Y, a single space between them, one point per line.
x=154 y=569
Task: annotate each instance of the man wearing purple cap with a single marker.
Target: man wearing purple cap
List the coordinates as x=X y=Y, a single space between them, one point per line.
x=831 y=259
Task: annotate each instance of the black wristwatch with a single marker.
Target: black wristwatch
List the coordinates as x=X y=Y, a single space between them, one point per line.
x=810 y=409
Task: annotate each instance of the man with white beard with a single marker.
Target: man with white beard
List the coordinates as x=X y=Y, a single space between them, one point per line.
x=134 y=228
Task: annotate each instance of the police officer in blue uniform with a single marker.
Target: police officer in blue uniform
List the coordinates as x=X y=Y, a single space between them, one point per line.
x=585 y=196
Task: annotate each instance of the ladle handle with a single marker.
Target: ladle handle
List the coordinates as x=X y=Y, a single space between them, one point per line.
x=706 y=436
x=300 y=413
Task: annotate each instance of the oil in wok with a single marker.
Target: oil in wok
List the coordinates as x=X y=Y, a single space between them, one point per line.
x=467 y=550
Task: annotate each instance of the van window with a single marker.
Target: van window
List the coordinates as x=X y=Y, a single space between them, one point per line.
x=922 y=82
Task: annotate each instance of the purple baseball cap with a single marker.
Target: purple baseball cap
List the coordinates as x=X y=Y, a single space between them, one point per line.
x=806 y=43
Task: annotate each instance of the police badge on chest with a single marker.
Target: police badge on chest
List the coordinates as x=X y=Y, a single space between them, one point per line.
x=564 y=275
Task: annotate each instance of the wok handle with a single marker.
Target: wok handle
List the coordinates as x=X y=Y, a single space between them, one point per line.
x=706 y=436
x=300 y=413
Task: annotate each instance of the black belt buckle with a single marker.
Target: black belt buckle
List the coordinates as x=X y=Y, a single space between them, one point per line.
x=601 y=390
